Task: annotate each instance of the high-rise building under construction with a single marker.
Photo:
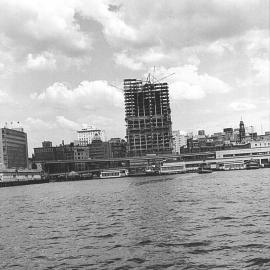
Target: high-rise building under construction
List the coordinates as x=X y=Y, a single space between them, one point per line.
x=148 y=118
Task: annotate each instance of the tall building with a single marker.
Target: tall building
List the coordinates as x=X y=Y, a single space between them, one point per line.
x=13 y=148
x=179 y=140
x=117 y=148
x=201 y=132
x=86 y=135
x=99 y=149
x=148 y=118
x=242 y=132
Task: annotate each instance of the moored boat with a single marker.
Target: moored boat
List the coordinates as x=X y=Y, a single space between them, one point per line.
x=252 y=164
x=204 y=168
x=14 y=177
x=173 y=168
x=113 y=173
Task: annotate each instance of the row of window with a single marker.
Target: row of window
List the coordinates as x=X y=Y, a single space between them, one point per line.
x=245 y=154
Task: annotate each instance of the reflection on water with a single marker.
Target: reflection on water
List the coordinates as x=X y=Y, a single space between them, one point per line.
x=191 y=221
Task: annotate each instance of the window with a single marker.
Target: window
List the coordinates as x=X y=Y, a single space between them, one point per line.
x=228 y=155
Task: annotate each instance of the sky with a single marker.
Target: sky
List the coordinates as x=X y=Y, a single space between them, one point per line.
x=63 y=62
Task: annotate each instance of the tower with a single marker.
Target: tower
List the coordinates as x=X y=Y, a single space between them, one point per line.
x=148 y=118
x=242 y=132
x=13 y=148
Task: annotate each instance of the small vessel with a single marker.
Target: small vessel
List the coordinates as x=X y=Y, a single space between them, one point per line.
x=113 y=173
x=252 y=164
x=173 y=168
x=15 y=177
x=231 y=165
x=151 y=170
x=204 y=168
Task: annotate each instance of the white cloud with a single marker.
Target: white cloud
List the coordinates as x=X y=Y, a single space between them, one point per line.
x=41 y=61
x=5 y=98
x=242 y=106
x=184 y=23
x=114 y=26
x=1 y=67
x=187 y=83
x=38 y=124
x=152 y=55
x=89 y=95
x=219 y=47
x=43 y=25
x=67 y=124
x=262 y=69
x=123 y=60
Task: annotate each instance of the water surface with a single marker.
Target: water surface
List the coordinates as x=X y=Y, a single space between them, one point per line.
x=213 y=221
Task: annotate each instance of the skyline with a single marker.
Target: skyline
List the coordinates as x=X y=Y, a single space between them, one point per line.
x=60 y=61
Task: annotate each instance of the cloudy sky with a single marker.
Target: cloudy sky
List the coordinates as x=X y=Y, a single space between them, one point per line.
x=60 y=61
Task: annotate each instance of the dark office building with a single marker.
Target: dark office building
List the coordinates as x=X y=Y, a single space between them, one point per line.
x=201 y=132
x=13 y=148
x=99 y=149
x=242 y=132
x=148 y=118
x=117 y=148
x=48 y=152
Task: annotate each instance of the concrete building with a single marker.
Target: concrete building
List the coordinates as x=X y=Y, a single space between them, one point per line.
x=259 y=144
x=242 y=132
x=118 y=147
x=13 y=148
x=48 y=152
x=80 y=152
x=228 y=132
x=148 y=118
x=178 y=140
x=86 y=135
x=99 y=149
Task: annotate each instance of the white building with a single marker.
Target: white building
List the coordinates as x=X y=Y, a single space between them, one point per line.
x=178 y=141
x=259 y=144
x=86 y=135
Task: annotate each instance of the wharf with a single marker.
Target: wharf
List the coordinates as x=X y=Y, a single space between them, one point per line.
x=23 y=182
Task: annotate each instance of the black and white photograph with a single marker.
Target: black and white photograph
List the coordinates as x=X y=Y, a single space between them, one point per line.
x=134 y=134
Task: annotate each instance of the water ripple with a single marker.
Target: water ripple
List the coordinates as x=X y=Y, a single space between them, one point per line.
x=217 y=221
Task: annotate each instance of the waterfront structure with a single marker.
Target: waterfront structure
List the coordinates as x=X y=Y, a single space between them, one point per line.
x=138 y=165
x=148 y=117
x=86 y=135
x=13 y=148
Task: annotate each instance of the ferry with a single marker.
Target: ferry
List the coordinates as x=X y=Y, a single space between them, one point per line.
x=14 y=177
x=173 y=168
x=230 y=166
x=113 y=173
x=252 y=164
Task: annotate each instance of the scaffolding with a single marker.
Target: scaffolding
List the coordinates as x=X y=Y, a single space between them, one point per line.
x=148 y=117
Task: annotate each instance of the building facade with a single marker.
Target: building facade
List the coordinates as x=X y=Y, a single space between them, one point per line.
x=148 y=118
x=179 y=140
x=99 y=149
x=85 y=136
x=242 y=132
x=48 y=152
x=118 y=147
x=13 y=148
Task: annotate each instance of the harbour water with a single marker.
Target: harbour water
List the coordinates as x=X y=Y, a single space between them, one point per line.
x=190 y=221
